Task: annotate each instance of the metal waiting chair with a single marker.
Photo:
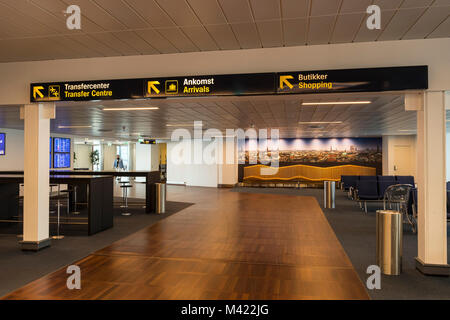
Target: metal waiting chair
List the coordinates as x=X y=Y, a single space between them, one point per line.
x=366 y=190
x=399 y=195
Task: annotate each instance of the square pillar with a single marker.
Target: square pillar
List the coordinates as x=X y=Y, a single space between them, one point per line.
x=36 y=175
x=431 y=174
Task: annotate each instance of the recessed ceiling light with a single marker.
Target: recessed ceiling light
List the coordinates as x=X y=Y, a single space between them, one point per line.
x=320 y=122
x=130 y=109
x=73 y=127
x=405 y=130
x=334 y=102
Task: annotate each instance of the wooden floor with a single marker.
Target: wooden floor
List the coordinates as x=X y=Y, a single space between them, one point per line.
x=228 y=245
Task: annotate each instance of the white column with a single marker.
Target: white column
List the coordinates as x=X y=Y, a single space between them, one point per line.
x=36 y=175
x=431 y=173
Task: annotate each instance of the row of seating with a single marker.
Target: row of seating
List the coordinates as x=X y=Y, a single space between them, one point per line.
x=382 y=182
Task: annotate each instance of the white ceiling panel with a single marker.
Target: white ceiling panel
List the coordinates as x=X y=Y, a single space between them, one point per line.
x=347 y=27
x=325 y=7
x=294 y=31
x=427 y=23
x=353 y=6
x=135 y=42
x=292 y=9
x=168 y=26
x=247 y=35
x=443 y=30
x=223 y=36
x=152 y=13
x=270 y=33
x=236 y=11
x=200 y=36
x=88 y=41
x=402 y=21
x=157 y=41
x=95 y=13
x=266 y=9
x=122 y=12
x=320 y=29
x=116 y=43
x=416 y=3
x=364 y=34
x=178 y=39
x=388 y=4
x=208 y=11
x=179 y=11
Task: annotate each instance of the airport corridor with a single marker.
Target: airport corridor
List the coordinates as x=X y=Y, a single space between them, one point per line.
x=228 y=245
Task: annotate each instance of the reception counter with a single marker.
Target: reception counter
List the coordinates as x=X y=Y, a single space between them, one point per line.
x=99 y=195
x=151 y=177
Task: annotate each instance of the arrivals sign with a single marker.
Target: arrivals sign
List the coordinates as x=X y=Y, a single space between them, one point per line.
x=296 y=82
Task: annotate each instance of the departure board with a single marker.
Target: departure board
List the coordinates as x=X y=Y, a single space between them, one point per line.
x=61 y=160
x=2 y=144
x=61 y=145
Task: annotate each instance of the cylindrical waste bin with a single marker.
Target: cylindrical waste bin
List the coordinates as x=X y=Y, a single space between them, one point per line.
x=160 y=198
x=389 y=241
x=329 y=190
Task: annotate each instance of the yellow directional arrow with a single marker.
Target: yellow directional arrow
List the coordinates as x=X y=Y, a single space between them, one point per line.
x=36 y=91
x=284 y=80
x=152 y=85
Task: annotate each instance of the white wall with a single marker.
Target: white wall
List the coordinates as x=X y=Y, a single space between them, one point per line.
x=204 y=174
x=389 y=161
x=143 y=157
x=13 y=158
x=83 y=152
x=155 y=156
x=17 y=76
x=447 y=149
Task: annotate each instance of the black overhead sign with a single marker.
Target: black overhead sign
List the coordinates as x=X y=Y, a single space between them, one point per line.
x=297 y=82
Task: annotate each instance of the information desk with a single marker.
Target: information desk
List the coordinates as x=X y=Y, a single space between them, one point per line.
x=151 y=177
x=99 y=194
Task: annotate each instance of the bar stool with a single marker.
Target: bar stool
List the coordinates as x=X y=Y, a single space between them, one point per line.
x=125 y=198
x=58 y=205
x=73 y=190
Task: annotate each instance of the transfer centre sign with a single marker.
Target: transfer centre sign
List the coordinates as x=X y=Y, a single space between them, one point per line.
x=296 y=82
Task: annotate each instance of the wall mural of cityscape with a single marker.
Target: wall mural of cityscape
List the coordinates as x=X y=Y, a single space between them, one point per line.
x=315 y=151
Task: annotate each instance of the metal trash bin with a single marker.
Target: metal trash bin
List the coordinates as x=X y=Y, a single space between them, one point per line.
x=329 y=193
x=160 y=198
x=389 y=241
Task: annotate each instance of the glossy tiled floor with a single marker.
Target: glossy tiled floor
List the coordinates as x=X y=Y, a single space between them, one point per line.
x=228 y=245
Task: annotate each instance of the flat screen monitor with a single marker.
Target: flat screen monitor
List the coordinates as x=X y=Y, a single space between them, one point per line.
x=61 y=160
x=2 y=144
x=50 y=157
x=61 y=145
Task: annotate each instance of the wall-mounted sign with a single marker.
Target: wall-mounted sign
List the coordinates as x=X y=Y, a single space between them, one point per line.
x=147 y=141
x=353 y=80
x=215 y=85
x=325 y=81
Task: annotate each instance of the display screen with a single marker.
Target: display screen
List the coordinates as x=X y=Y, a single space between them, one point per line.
x=61 y=160
x=50 y=157
x=2 y=144
x=61 y=145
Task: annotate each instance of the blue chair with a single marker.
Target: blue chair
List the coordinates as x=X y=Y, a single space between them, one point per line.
x=405 y=180
x=349 y=181
x=367 y=178
x=385 y=182
x=367 y=190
